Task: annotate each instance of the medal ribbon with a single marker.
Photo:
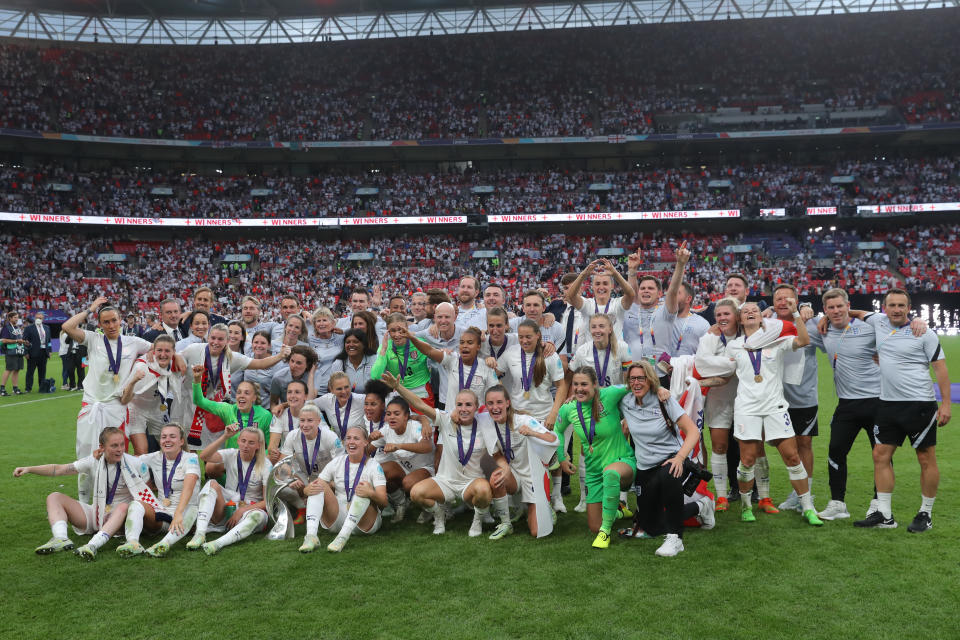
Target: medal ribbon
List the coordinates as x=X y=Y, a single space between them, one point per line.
x=505 y=442
x=464 y=459
x=345 y=422
x=356 y=480
x=208 y=365
x=755 y=361
x=473 y=370
x=114 y=363
x=601 y=373
x=593 y=424
x=316 y=448
x=402 y=368
x=526 y=376
x=112 y=491
x=496 y=354
x=243 y=480
x=249 y=418
x=168 y=480
x=289 y=421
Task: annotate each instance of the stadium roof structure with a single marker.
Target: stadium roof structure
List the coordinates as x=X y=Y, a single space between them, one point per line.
x=234 y=22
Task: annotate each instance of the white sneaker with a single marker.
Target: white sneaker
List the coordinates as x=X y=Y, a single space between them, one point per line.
x=487 y=518
x=672 y=545
x=399 y=511
x=424 y=517
x=581 y=506
x=387 y=511
x=707 y=518
x=337 y=545
x=835 y=510
x=874 y=506
x=476 y=527
x=558 y=505
x=791 y=503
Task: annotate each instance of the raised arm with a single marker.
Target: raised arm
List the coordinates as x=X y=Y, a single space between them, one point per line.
x=211 y=452
x=629 y=293
x=803 y=338
x=425 y=348
x=72 y=326
x=416 y=403
x=47 y=470
x=573 y=293
x=673 y=291
x=127 y=394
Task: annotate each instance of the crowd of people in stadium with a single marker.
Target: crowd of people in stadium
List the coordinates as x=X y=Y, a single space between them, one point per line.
x=434 y=401
x=130 y=192
x=570 y=83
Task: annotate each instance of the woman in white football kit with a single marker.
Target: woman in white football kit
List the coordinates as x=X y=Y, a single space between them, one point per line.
x=465 y=437
x=718 y=405
x=466 y=369
x=150 y=393
x=176 y=474
x=528 y=377
x=517 y=468
x=286 y=417
x=342 y=407
x=348 y=495
x=247 y=470
x=404 y=451
x=610 y=357
x=115 y=474
x=760 y=410
x=110 y=358
x=312 y=446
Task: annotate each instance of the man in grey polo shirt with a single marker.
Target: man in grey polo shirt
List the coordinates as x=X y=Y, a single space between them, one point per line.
x=908 y=407
x=443 y=334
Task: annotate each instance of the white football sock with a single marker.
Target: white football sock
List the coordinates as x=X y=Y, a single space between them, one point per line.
x=806 y=501
x=885 y=504
x=314 y=511
x=718 y=465
x=501 y=509
x=189 y=517
x=59 y=529
x=762 y=475
x=926 y=504
x=358 y=507
x=247 y=525
x=745 y=499
x=582 y=473
x=133 y=527
x=98 y=540
x=555 y=488
x=397 y=497
x=208 y=502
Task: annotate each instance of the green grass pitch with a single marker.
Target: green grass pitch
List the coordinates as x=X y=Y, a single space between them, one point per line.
x=778 y=578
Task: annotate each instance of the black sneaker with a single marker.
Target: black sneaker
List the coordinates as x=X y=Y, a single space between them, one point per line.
x=877 y=520
x=17 y=392
x=920 y=523
x=733 y=495
x=3 y=392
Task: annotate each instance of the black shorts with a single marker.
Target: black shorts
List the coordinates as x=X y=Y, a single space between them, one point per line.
x=805 y=421
x=916 y=420
x=14 y=363
x=853 y=414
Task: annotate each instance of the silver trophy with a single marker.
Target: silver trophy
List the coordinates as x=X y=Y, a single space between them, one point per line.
x=283 y=475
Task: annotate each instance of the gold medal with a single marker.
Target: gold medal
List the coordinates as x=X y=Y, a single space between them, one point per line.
x=591 y=448
x=116 y=378
x=758 y=378
x=526 y=395
x=166 y=502
x=108 y=508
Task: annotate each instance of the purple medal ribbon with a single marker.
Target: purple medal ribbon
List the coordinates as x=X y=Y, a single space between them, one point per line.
x=370 y=428
x=168 y=480
x=114 y=363
x=464 y=459
x=723 y=338
x=601 y=373
x=243 y=480
x=316 y=448
x=505 y=443
x=526 y=376
x=593 y=425
x=112 y=491
x=596 y=307
x=343 y=424
x=473 y=370
x=356 y=480
x=755 y=361
x=402 y=368
x=209 y=365
x=496 y=354
x=289 y=421
x=249 y=418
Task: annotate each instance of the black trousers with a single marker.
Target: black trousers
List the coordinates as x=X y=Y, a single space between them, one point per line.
x=849 y=418
x=38 y=364
x=68 y=374
x=660 y=507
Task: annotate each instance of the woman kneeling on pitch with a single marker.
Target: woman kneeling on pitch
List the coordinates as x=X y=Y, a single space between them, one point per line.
x=519 y=468
x=653 y=426
x=312 y=446
x=404 y=451
x=348 y=495
x=465 y=437
x=760 y=410
x=247 y=471
x=118 y=478
x=595 y=415
x=176 y=474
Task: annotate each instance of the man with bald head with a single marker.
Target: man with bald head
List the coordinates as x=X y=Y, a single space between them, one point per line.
x=442 y=334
